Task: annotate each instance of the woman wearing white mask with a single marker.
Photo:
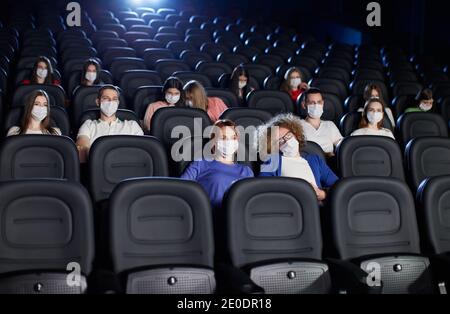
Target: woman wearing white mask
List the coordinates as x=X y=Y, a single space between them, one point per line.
x=280 y=146
x=424 y=102
x=90 y=73
x=372 y=120
x=294 y=84
x=173 y=94
x=324 y=133
x=36 y=117
x=217 y=174
x=374 y=91
x=108 y=124
x=240 y=84
x=196 y=98
x=42 y=73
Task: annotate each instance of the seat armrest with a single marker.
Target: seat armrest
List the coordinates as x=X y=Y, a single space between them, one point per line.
x=440 y=265
x=235 y=280
x=350 y=278
x=104 y=282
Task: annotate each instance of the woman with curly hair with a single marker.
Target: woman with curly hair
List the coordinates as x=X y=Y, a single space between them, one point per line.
x=280 y=146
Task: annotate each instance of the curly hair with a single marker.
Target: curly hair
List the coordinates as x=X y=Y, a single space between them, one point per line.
x=289 y=121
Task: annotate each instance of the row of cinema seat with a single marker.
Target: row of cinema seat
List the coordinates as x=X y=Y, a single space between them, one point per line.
x=162 y=238
x=115 y=158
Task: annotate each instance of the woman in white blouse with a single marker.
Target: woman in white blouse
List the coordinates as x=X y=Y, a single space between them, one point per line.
x=372 y=119
x=36 y=116
x=374 y=91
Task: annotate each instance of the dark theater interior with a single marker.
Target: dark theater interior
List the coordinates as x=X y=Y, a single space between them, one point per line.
x=233 y=147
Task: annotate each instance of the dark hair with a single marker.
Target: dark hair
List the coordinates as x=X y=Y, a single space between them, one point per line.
x=98 y=68
x=368 y=91
x=175 y=82
x=364 y=122
x=45 y=124
x=105 y=87
x=49 y=79
x=424 y=94
x=311 y=91
x=238 y=71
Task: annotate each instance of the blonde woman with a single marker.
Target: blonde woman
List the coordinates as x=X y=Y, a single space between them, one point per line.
x=196 y=98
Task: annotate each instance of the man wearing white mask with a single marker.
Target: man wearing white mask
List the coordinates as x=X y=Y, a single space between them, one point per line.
x=218 y=173
x=108 y=124
x=173 y=96
x=372 y=120
x=324 y=133
x=36 y=116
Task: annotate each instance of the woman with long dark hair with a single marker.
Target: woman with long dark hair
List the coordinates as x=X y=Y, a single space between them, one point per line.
x=240 y=84
x=42 y=73
x=36 y=116
x=90 y=75
x=173 y=94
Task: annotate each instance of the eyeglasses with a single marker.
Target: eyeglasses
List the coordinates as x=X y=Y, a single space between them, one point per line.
x=285 y=138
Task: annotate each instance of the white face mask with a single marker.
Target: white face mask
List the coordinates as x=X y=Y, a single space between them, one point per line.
x=172 y=99
x=91 y=76
x=189 y=103
x=315 y=111
x=425 y=107
x=39 y=113
x=109 y=108
x=290 y=148
x=227 y=148
x=242 y=84
x=42 y=73
x=374 y=117
x=295 y=82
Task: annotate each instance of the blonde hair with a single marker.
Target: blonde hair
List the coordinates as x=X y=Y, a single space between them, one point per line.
x=266 y=141
x=198 y=94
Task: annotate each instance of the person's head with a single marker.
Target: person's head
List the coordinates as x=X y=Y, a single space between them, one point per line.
x=90 y=74
x=313 y=102
x=292 y=79
x=284 y=132
x=425 y=100
x=42 y=70
x=108 y=99
x=372 y=91
x=196 y=95
x=225 y=139
x=373 y=113
x=173 y=92
x=240 y=79
x=37 y=109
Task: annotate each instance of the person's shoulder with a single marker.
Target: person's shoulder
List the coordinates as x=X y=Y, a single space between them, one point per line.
x=90 y=123
x=358 y=132
x=14 y=130
x=329 y=124
x=158 y=104
x=312 y=158
x=57 y=131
